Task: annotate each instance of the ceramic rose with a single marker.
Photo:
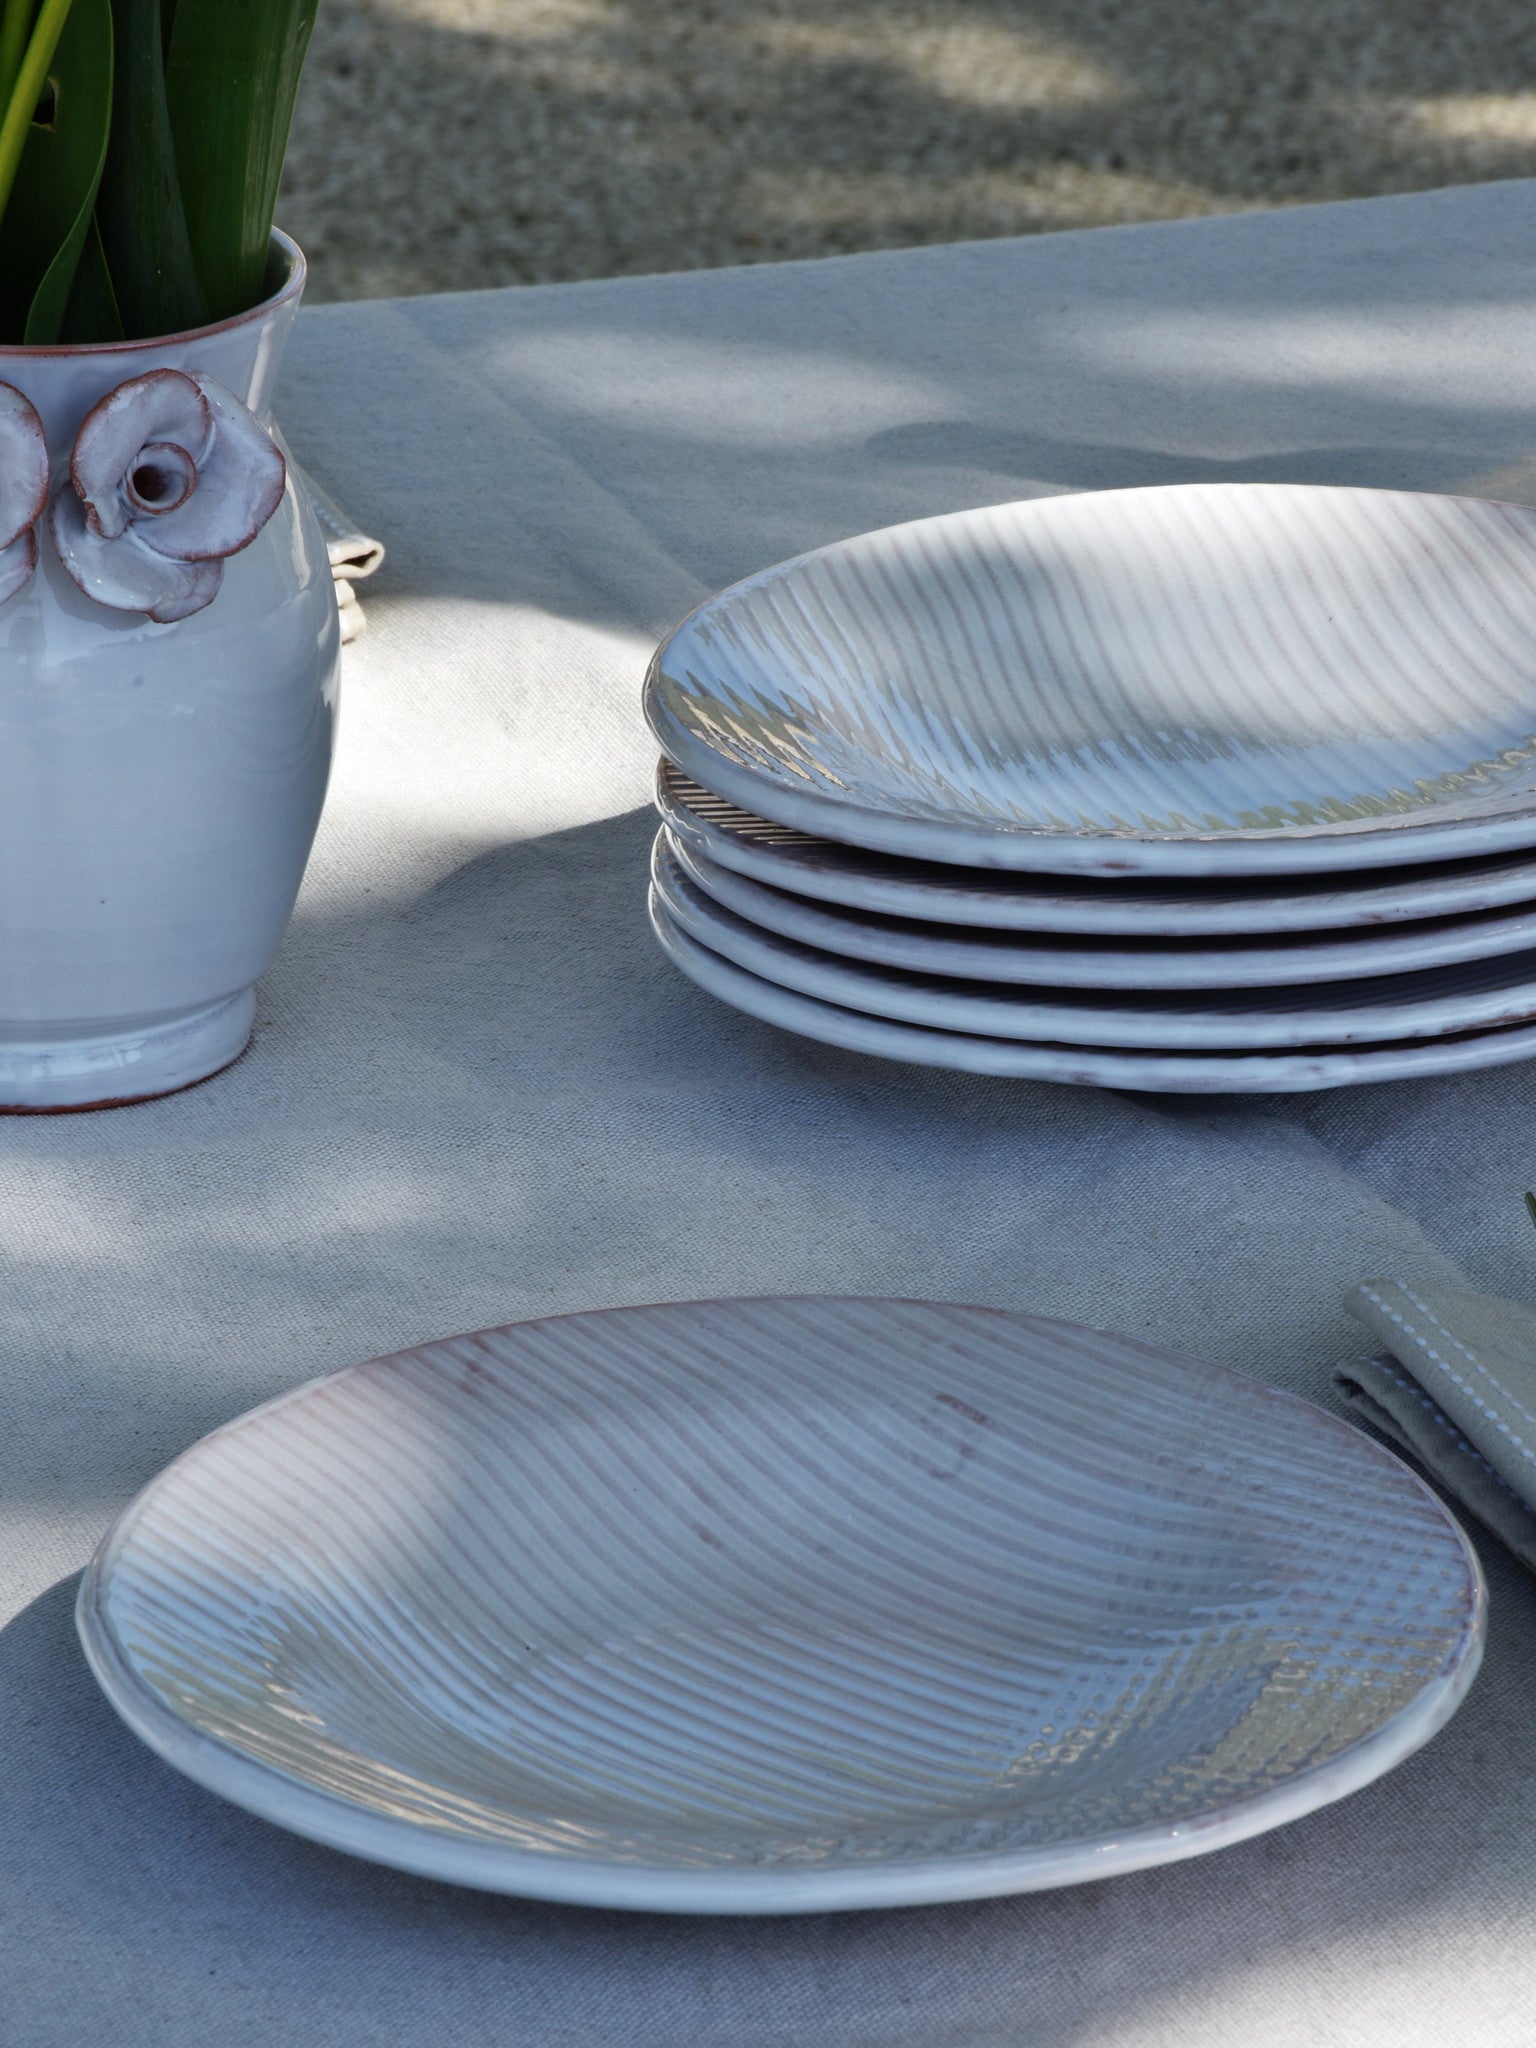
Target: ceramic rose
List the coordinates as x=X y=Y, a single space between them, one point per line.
x=23 y=487
x=168 y=477
x=168 y=659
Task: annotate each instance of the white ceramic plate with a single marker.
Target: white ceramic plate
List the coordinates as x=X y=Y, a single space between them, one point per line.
x=1062 y=961
x=863 y=880
x=784 y=1605
x=1202 y=679
x=1162 y=1073
x=1475 y=995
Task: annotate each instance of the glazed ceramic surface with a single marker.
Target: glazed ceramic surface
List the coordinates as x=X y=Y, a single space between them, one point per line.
x=1139 y=964
x=863 y=880
x=160 y=784
x=1167 y=1073
x=771 y=1606
x=1440 y=1001
x=1202 y=679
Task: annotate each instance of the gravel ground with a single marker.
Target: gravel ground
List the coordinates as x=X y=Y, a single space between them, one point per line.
x=446 y=144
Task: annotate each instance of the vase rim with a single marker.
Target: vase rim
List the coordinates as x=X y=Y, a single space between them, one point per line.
x=282 y=246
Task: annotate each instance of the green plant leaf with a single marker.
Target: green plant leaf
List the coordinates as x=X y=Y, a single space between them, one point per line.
x=231 y=79
x=92 y=314
x=15 y=33
x=45 y=225
x=139 y=209
x=20 y=103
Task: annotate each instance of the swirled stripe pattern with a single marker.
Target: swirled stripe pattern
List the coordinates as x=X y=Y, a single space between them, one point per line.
x=1297 y=671
x=760 y=1593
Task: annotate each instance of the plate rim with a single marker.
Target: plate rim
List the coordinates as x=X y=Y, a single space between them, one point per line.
x=1350 y=844
x=1334 y=956
x=1172 y=1016
x=425 y=1851
x=1109 y=915
x=1273 y=1071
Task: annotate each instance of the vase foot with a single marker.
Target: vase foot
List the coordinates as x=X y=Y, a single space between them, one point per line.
x=42 y=1074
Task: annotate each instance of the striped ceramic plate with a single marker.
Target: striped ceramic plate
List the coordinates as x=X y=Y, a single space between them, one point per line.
x=1438 y=1002
x=1201 y=679
x=1133 y=906
x=1303 y=1069
x=767 y=1606
x=1065 y=960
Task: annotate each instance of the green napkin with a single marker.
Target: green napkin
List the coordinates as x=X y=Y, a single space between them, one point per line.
x=1456 y=1387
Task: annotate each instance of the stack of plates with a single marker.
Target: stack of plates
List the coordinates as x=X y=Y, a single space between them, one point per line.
x=1226 y=786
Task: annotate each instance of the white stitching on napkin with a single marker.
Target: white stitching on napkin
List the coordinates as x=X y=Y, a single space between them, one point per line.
x=1443 y=1422
x=1451 y=1374
x=1470 y=1355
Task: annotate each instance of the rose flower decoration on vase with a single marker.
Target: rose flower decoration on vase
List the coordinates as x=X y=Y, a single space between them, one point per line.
x=23 y=487
x=169 y=477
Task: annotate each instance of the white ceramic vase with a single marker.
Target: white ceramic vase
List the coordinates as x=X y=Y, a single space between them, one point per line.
x=160 y=784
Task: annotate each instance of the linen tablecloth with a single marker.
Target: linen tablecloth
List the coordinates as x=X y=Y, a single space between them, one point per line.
x=478 y=1092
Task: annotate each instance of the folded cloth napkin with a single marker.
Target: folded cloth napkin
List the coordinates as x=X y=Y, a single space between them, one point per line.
x=1456 y=1387
x=353 y=555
